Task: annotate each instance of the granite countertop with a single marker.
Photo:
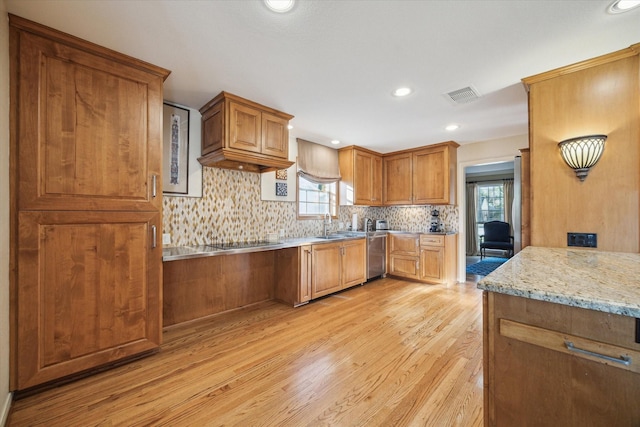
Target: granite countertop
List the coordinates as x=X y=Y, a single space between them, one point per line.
x=601 y=281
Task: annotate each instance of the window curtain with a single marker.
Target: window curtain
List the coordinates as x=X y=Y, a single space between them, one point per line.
x=508 y=203
x=472 y=227
x=317 y=163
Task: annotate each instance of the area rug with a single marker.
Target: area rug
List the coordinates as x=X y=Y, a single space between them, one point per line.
x=486 y=266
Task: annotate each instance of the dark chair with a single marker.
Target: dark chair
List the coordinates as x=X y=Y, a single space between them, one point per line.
x=497 y=235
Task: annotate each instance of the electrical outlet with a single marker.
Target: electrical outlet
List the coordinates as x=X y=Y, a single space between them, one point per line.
x=584 y=240
x=166 y=238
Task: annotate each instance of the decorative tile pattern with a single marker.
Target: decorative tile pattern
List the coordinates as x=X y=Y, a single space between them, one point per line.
x=231 y=210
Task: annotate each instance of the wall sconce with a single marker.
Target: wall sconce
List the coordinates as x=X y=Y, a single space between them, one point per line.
x=582 y=153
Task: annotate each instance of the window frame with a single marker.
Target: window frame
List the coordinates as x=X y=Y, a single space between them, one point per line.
x=480 y=224
x=332 y=207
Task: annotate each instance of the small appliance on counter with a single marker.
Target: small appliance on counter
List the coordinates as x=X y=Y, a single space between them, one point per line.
x=436 y=225
x=368 y=224
x=380 y=224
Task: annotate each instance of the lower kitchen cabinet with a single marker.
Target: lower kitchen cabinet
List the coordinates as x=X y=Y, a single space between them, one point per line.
x=429 y=258
x=337 y=266
x=404 y=254
x=89 y=292
x=438 y=258
x=548 y=364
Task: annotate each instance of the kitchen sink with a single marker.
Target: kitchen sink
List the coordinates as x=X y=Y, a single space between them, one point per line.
x=331 y=237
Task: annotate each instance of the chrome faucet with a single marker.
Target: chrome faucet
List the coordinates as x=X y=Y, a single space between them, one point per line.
x=327 y=221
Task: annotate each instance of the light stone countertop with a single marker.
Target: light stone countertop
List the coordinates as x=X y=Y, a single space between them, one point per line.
x=601 y=281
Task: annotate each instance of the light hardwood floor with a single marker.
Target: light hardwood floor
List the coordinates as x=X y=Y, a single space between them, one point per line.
x=389 y=353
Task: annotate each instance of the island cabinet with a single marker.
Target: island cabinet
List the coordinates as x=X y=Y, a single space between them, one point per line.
x=424 y=176
x=337 y=266
x=86 y=144
x=548 y=364
x=361 y=172
x=241 y=134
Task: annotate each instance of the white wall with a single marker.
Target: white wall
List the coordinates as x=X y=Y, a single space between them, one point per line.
x=493 y=151
x=5 y=396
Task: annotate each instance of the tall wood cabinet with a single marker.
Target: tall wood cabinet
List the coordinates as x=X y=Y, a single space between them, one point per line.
x=561 y=106
x=361 y=171
x=86 y=205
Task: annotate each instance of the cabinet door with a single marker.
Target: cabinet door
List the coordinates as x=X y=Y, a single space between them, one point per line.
x=431 y=263
x=404 y=244
x=88 y=293
x=306 y=277
x=89 y=132
x=363 y=185
x=354 y=262
x=275 y=136
x=326 y=269
x=405 y=266
x=431 y=176
x=376 y=181
x=213 y=129
x=245 y=128
x=397 y=180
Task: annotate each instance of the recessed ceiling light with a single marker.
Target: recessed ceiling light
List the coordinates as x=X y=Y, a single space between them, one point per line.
x=289 y=127
x=402 y=91
x=280 y=6
x=452 y=127
x=335 y=142
x=620 y=6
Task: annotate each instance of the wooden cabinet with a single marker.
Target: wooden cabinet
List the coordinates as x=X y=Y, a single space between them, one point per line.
x=241 y=134
x=427 y=258
x=398 y=181
x=438 y=258
x=338 y=266
x=424 y=176
x=544 y=365
x=404 y=255
x=434 y=175
x=361 y=172
x=86 y=205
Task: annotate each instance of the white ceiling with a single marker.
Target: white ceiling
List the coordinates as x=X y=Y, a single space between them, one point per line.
x=334 y=64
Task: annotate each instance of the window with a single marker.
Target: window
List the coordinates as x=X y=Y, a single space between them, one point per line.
x=490 y=204
x=315 y=200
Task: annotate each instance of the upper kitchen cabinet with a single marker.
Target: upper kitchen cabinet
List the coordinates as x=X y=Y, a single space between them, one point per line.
x=434 y=175
x=241 y=134
x=88 y=124
x=424 y=176
x=361 y=172
x=398 y=179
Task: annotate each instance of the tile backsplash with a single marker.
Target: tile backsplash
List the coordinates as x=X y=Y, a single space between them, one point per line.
x=231 y=210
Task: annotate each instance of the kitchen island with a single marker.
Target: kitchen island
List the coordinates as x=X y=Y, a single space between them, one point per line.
x=562 y=339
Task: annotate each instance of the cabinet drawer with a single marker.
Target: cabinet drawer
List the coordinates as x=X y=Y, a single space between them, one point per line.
x=431 y=240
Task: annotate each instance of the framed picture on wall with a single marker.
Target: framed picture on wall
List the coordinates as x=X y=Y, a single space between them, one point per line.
x=175 y=149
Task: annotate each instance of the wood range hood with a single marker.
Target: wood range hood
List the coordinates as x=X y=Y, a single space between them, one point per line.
x=244 y=135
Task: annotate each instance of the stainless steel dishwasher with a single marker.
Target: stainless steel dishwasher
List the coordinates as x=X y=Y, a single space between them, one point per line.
x=376 y=254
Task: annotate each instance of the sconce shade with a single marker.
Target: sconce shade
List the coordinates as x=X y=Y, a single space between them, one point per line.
x=582 y=153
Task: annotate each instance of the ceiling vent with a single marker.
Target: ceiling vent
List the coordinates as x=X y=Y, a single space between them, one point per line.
x=463 y=96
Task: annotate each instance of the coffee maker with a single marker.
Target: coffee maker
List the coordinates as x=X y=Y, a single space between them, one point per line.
x=436 y=224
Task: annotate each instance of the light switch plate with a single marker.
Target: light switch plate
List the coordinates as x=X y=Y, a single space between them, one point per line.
x=166 y=238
